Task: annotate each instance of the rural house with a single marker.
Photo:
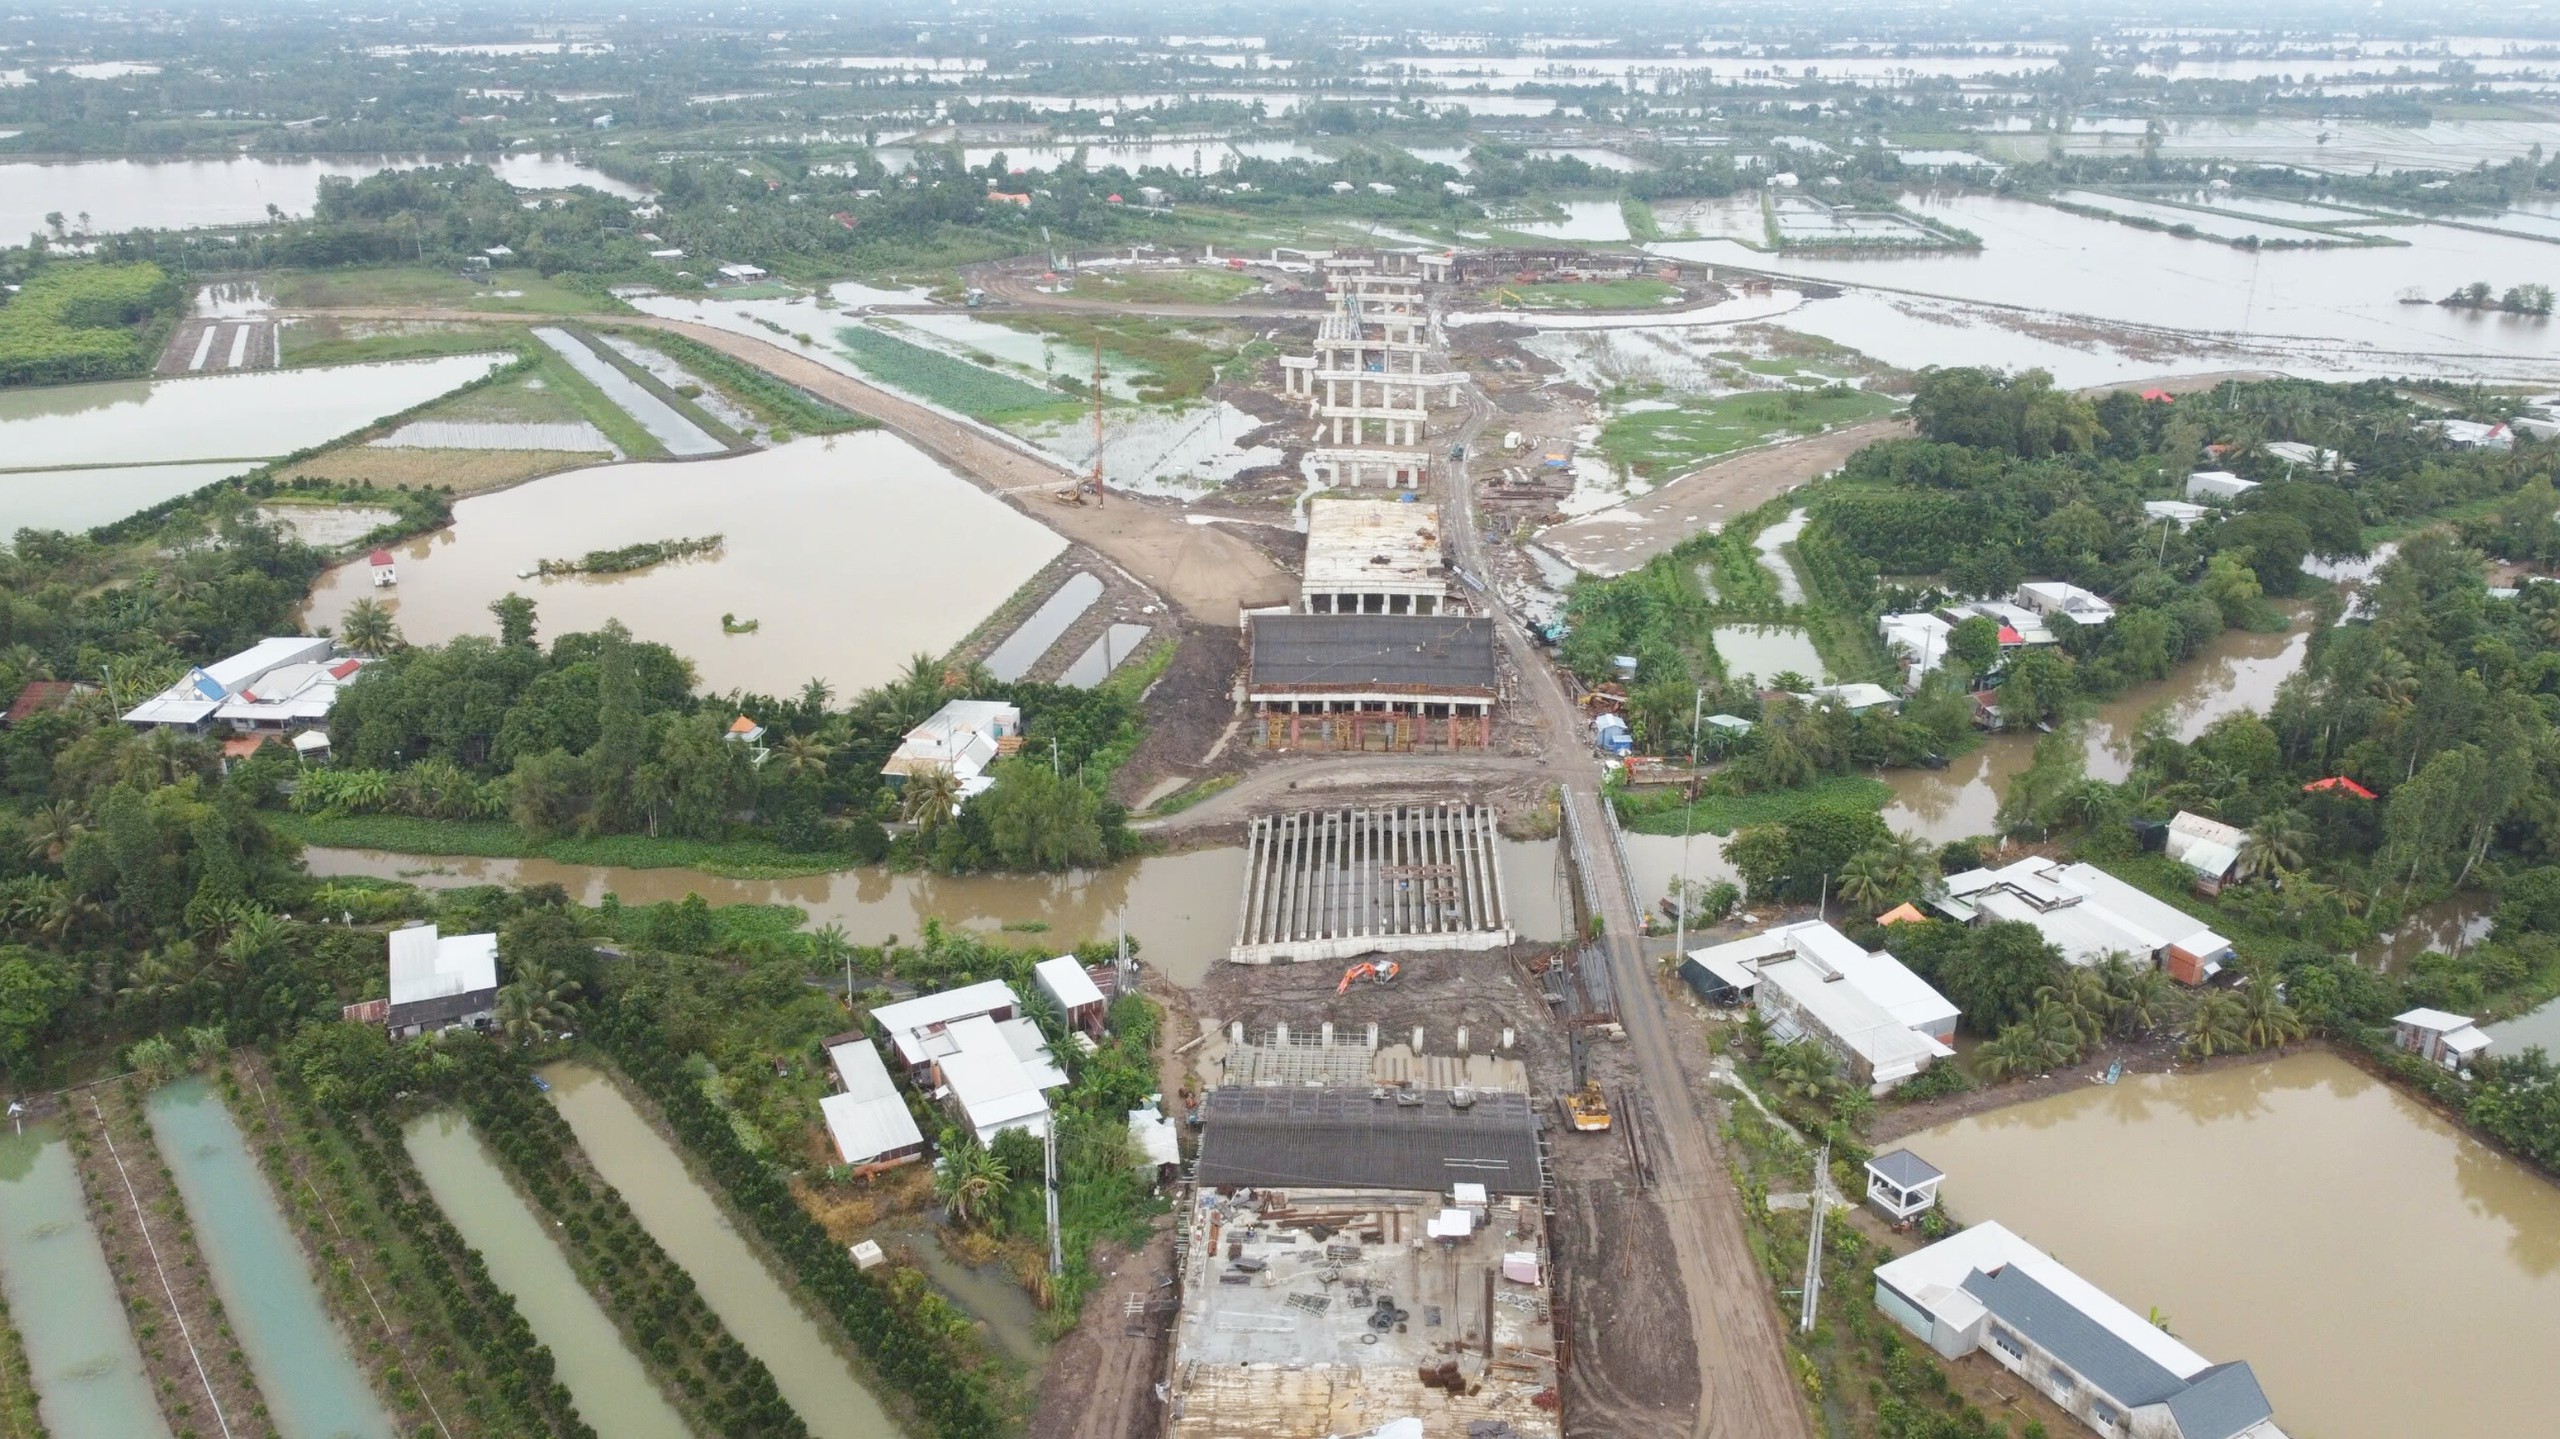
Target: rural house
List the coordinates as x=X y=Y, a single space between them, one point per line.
x=2087 y=914
x=1079 y=999
x=965 y=737
x=869 y=1120
x=2451 y=1040
x=441 y=982
x=1810 y=981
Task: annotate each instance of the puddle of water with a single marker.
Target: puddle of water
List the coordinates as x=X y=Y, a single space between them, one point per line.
x=304 y=1367
x=1181 y=907
x=2264 y=1208
x=1599 y=220
x=681 y=436
x=77 y=500
x=1766 y=651
x=2238 y=671
x=1774 y=560
x=1105 y=654
x=814 y=1378
x=613 y=1392
x=2446 y=927
x=89 y=1378
x=232 y=416
x=986 y=1291
x=854 y=551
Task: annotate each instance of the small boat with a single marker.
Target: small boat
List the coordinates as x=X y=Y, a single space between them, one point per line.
x=2115 y=1071
x=542 y=1084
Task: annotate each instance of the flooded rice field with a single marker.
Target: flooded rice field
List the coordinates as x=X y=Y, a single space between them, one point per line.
x=256 y=415
x=852 y=553
x=192 y=194
x=613 y=1392
x=83 y=499
x=2384 y=1273
x=1180 y=908
x=88 y=1375
x=2038 y=258
x=1599 y=220
x=2238 y=671
x=682 y=437
x=636 y=1160
x=304 y=1367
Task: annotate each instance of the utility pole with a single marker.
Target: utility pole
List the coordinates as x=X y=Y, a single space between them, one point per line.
x=1813 y=1248
x=1688 y=807
x=1049 y=1162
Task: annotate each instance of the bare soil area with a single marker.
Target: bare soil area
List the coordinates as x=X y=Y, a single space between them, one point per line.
x=1101 y=1380
x=469 y=472
x=1189 y=711
x=1624 y=537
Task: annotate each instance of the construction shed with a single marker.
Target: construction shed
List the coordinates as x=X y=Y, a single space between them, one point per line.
x=1371 y=681
x=1421 y=1140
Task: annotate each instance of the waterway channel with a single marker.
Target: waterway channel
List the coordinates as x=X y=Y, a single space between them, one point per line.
x=815 y=1379
x=612 y=1391
x=305 y=1370
x=89 y=1378
x=2386 y=1274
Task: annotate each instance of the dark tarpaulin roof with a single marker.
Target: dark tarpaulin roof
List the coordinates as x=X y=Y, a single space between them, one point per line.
x=1344 y=1139
x=1444 y=653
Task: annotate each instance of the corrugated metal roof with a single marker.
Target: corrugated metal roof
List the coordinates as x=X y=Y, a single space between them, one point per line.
x=1440 y=653
x=2114 y=1367
x=1905 y=1168
x=870 y=1118
x=1344 y=1138
x=2221 y=1403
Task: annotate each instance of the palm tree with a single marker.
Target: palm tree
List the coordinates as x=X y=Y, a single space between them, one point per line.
x=2059 y=1032
x=52 y=829
x=1867 y=880
x=2267 y=1022
x=2275 y=846
x=206 y=1045
x=155 y=1059
x=2084 y=1001
x=1802 y=1070
x=805 y=754
x=815 y=695
x=2143 y=997
x=932 y=796
x=539 y=1002
x=970 y=1181
x=368 y=629
x=2215 y=1026
x=2016 y=1050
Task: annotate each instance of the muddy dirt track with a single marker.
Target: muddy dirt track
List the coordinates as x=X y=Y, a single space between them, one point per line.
x=1620 y=539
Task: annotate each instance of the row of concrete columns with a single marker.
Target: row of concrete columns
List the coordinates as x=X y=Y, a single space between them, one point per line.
x=1371 y=874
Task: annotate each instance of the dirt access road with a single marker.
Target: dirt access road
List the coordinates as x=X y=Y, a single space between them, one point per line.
x=1208 y=570
x=1623 y=537
x=1747 y=1389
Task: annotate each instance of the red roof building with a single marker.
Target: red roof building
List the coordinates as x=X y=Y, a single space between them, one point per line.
x=37 y=697
x=2339 y=783
x=2158 y=397
x=378 y=558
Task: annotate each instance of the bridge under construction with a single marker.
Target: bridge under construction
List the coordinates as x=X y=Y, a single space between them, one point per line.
x=1335 y=884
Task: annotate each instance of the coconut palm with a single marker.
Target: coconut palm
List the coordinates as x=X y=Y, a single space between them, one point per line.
x=2059 y=1031
x=155 y=1059
x=1867 y=880
x=2015 y=1051
x=2216 y=1026
x=970 y=1181
x=2275 y=846
x=540 y=1001
x=1802 y=1070
x=931 y=797
x=2083 y=1001
x=2143 y=997
x=805 y=754
x=2267 y=1022
x=206 y=1044
x=368 y=629
x=52 y=829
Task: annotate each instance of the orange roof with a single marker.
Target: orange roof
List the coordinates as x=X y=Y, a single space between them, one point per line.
x=1903 y=913
x=243 y=747
x=743 y=725
x=2338 y=782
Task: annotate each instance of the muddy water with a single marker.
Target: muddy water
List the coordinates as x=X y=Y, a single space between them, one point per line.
x=88 y=1375
x=185 y=194
x=612 y=1391
x=2447 y=927
x=215 y=417
x=814 y=1378
x=2385 y=1274
x=853 y=553
x=990 y=1295
x=304 y=1368
x=2239 y=670
x=1763 y=652
x=1181 y=908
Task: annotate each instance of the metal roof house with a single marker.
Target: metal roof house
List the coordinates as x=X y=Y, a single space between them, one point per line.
x=2053 y=597
x=2088 y=914
x=2451 y=1040
x=919 y=1028
x=441 y=982
x=2211 y=485
x=1811 y=981
x=275 y=686
x=1986 y=1289
x=1068 y=986
x=996 y=1076
x=2207 y=846
x=869 y=1121
x=965 y=737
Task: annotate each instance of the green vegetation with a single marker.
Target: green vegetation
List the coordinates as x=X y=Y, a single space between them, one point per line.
x=1642 y=227
x=18 y=1416
x=628 y=558
x=1178 y=367
x=1190 y=285
x=1634 y=293
x=954 y=384
x=561 y=382
x=85 y=322
x=1662 y=809
x=324 y=340
x=1690 y=429
x=785 y=409
x=512 y=291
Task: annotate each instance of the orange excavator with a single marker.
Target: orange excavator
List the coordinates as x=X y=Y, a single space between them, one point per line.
x=1376 y=972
